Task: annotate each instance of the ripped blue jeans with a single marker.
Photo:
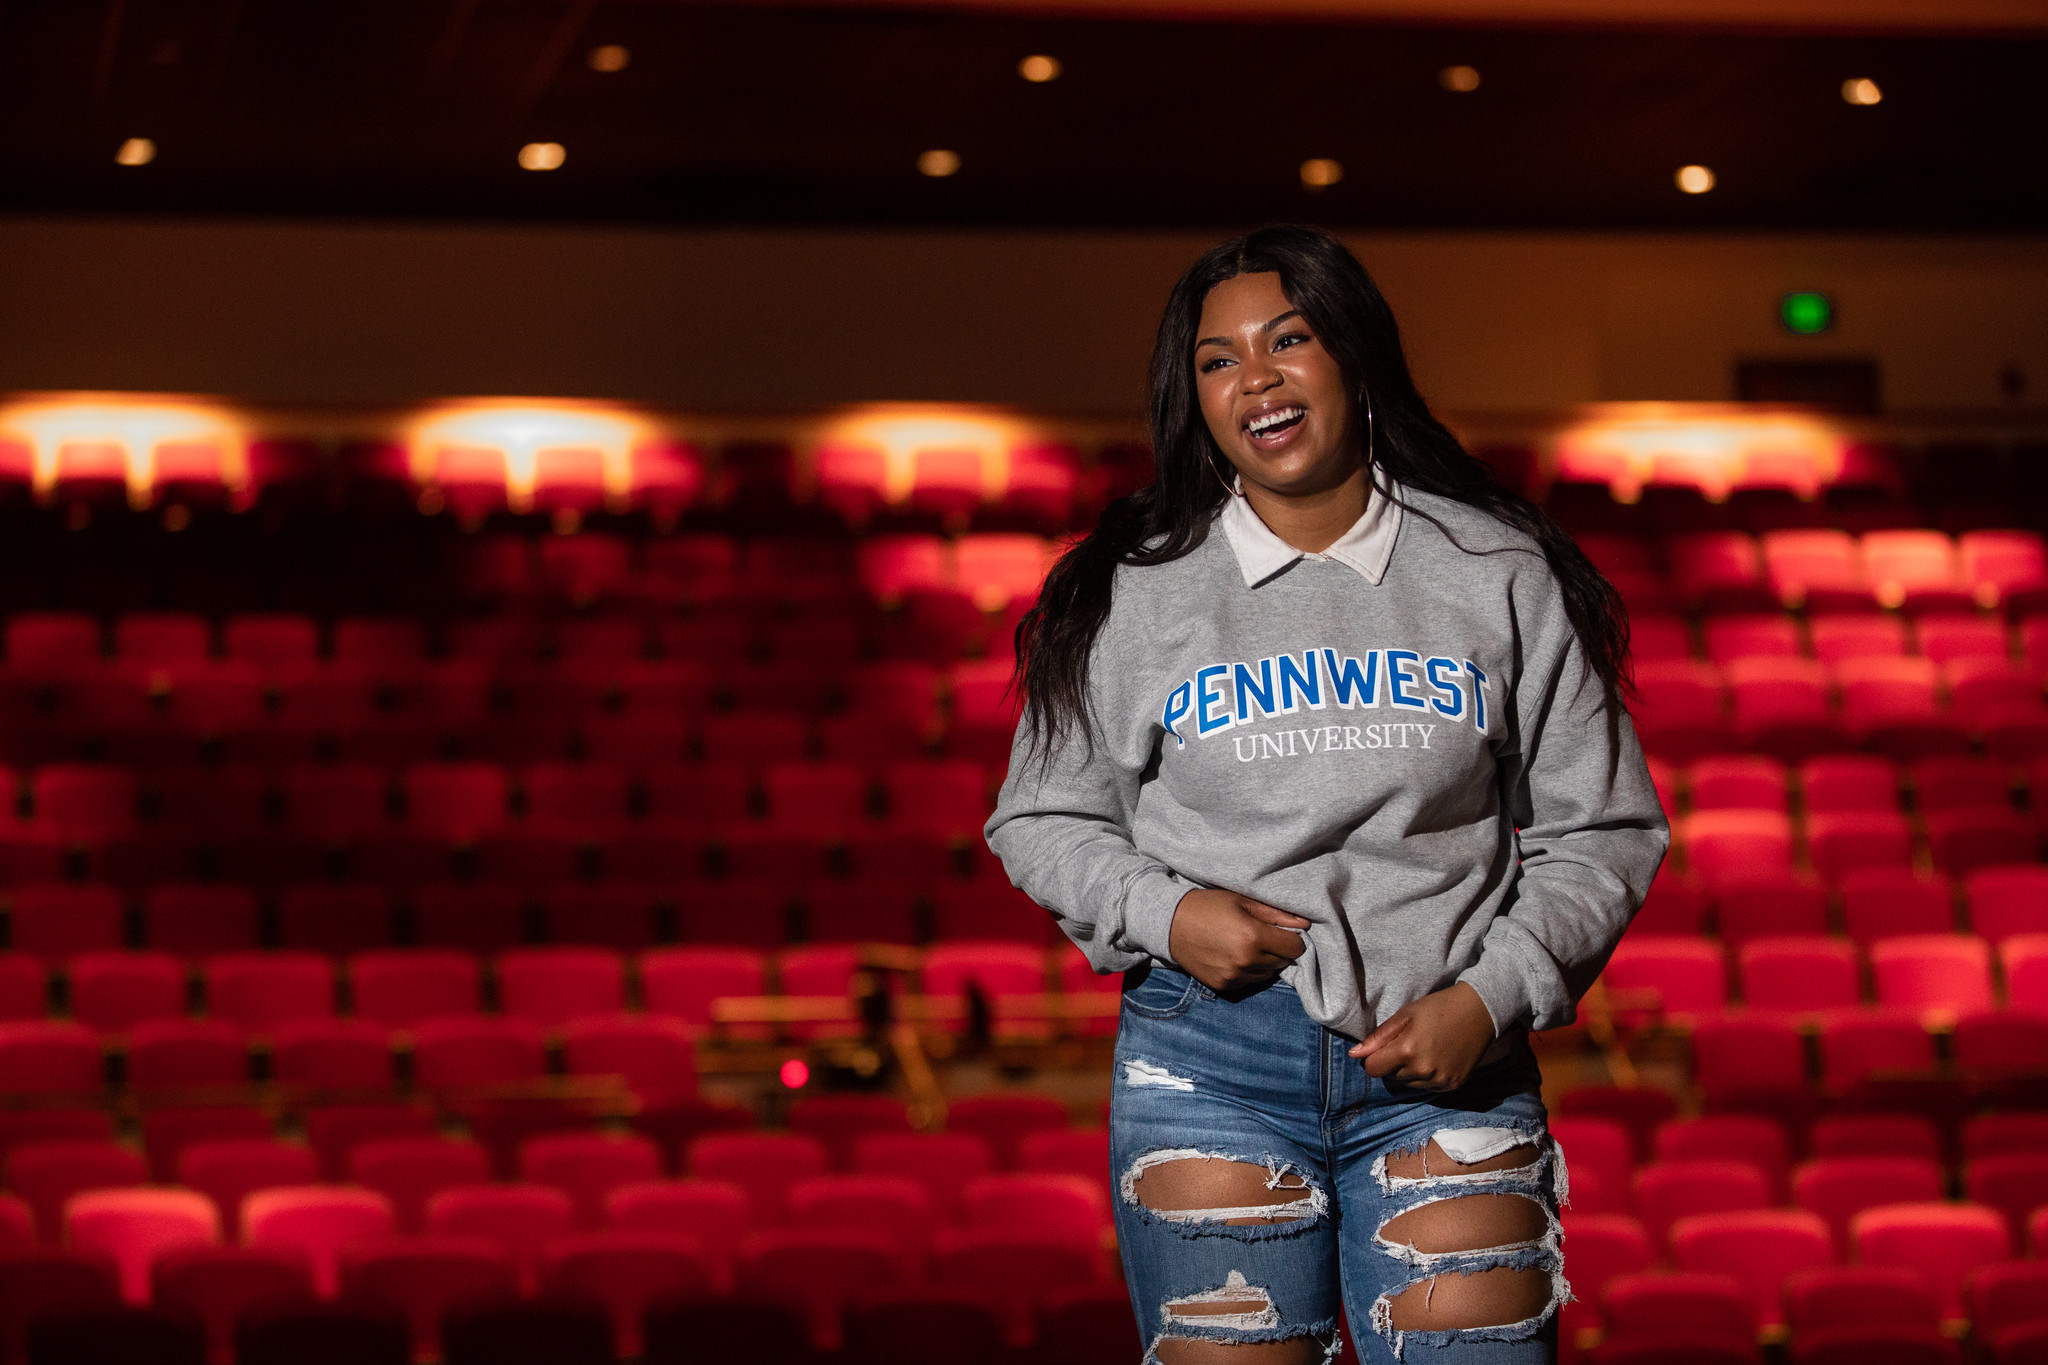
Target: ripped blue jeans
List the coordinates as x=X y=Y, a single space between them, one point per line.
x=1254 y=1080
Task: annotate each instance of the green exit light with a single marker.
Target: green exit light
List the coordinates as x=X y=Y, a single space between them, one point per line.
x=1806 y=313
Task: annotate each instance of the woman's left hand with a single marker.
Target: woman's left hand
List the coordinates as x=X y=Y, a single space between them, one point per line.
x=1432 y=1044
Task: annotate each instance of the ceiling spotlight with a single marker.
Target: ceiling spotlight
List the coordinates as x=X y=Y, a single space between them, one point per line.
x=610 y=57
x=1862 y=90
x=938 y=163
x=542 y=156
x=1462 y=80
x=1039 y=68
x=136 y=151
x=1320 y=173
x=1694 y=179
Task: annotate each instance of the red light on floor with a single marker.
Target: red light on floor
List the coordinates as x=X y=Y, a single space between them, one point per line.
x=796 y=1073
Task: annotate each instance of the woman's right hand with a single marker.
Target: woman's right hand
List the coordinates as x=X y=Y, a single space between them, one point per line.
x=1229 y=942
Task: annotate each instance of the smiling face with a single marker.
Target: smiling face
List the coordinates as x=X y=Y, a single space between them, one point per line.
x=1273 y=397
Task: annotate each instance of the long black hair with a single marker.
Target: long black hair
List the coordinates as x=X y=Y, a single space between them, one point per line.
x=1171 y=516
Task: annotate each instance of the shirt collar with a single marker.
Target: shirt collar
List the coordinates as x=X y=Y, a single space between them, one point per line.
x=1365 y=548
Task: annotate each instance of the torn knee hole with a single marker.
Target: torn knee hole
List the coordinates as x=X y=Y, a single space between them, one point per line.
x=1236 y=1304
x=1495 y=1297
x=1433 y=1159
x=1472 y=1222
x=1198 y=1188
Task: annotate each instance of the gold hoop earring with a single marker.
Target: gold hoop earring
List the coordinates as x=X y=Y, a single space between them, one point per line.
x=1365 y=397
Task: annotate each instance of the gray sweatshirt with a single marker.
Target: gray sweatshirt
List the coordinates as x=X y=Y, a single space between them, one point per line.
x=1396 y=739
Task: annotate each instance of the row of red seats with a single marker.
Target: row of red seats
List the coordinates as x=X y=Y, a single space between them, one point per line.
x=1837 y=639
x=1765 y=901
x=1792 y=708
x=1727 y=1162
x=460 y=802
x=1901 y=1302
x=1823 y=570
x=1927 y=974
x=1722 y=847
x=786 y=895
x=112 y=992
x=1831 y=783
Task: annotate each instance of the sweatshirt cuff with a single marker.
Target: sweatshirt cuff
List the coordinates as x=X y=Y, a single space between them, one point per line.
x=1150 y=899
x=1502 y=990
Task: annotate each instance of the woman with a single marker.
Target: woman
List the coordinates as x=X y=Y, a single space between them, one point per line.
x=1323 y=748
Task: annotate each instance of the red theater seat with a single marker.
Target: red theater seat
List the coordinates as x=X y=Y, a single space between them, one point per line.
x=2003 y=1297
x=654 y=1056
x=272 y=640
x=161 y=639
x=403 y=986
x=1837 y=1188
x=667 y=477
x=1017 y=1274
x=2013 y=1183
x=1005 y=1120
x=1962 y=840
x=521 y=1219
x=331 y=1054
x=408 y=1171
x=2003 y=568
x=588 y=1167
x=218 y=1285
x=1886 y=902
x=1874 y=1135
x=629 y=1272
x=55 y=921
x=259 y=991
x=683 y=982
x=44 y=1175
x=765 y=1165
x=132 y=1227
x=713 y=1211
x=52 y=641
x=1679 y=709
x=1683 y=977
x=997 y=971
x=1890 y=705
x=1946 y=639
x=1659 y=637
x=49 y=1057
x=894 y=1206
x=1720 y=571
x=1816 y=569
x=1915 y=570
x=112 y=992
x=1766 y=906
x=479 y=918
x=333 y=919
x=851 y=481
x=173 y=1054
x=1760 y=1141
x=459 y=802
x=1799 y=973
x=820 y=1272
x=2008 y=1040
x=201 y=919
x=83 y=800
x=24 y=987
x=1743 y=637
x=1854 y=1046
x=338 y=803
x=943 y=1163
x=550 y=986
x=1672 y=1190
x=53 y=1283
x=425 y=1277
x=1729 y=846
x=1759 y=1248
x=1739 y=782
x=841 y=1121
x=1957 y=782
x=476 y=1050
x=1680 y=1317
x=1037 y=1203
x=1749 y=1059
x=1598 y=1248
x=1932 y=973
x=1943 y=1242
x=228 y=1170
x=2025 y=960
x=946 y=483
x=1834 y=783
x=1859 y=1298
x=1601 y=1154
x=1841 y=843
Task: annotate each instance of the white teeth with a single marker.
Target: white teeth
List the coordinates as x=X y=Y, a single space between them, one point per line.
x=1269 y=419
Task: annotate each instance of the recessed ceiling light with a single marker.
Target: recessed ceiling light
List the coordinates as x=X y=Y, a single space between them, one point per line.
x=1694 y=179
x=938 y=163
x=1039 y=68
x=136 y=151
x=542 y=156
x=1862 y=90
x=1462 y=79
x=1320 y=173
x=610 y=57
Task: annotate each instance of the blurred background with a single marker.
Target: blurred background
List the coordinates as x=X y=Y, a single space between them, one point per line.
x=512 y=519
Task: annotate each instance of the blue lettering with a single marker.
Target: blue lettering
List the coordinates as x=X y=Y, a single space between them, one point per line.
x=1303 y=678
x=1395 y=678
x=1207 y=699
x=1177 y=703
x=1456 y=707
x=1250 y=689
x=1478 y=695
x=1348 y=682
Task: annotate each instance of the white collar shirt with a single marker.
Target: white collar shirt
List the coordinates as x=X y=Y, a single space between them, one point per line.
x=1365 y=548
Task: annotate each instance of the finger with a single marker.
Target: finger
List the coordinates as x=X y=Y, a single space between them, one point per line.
x=1271 y=915
x=1280 y=942
x=1383 y=1035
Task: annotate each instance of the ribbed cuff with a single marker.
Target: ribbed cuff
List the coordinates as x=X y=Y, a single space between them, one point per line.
x=1502 y=990
x=1150 y=899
